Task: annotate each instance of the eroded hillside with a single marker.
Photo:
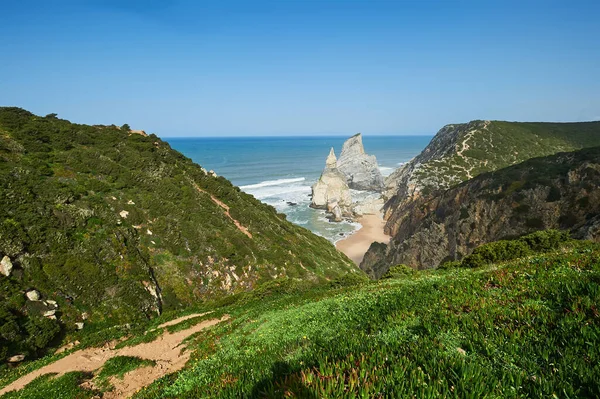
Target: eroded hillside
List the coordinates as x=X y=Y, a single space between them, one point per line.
x=555 y=192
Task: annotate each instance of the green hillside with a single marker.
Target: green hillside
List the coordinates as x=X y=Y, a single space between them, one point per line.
x=524 y=327
x=462 y=151
x=110 y=226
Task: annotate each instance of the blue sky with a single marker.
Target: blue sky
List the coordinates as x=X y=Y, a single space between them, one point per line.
x=198 y=68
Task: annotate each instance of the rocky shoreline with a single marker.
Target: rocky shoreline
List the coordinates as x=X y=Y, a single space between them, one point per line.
x=353 y=171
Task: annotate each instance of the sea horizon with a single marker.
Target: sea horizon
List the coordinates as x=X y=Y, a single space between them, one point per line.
x=280 y=171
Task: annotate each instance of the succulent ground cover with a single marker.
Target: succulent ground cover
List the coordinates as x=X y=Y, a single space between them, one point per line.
x=525 y=327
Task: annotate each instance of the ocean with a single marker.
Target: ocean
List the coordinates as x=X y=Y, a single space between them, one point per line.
x=279 y=171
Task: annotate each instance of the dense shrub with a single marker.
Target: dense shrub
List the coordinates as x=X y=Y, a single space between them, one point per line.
x=399 y=271
x=499 y=251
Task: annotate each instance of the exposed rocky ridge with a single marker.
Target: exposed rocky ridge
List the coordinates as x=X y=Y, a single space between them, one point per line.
x=560 y=191
x=360 y=169
x=331 y=192
x=462 y=151
x=118 y=226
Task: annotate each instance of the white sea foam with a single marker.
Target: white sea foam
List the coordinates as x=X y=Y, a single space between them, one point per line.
x=386 y=170
x=269 y=183
x=275 y=192
x=283 y=192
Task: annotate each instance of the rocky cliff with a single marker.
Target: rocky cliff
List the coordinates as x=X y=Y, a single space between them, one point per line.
x=462 y=151
x=360 y=169
x=560 y=192
x=331 y=192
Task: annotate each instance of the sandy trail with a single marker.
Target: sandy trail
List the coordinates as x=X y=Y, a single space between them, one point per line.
x=165 y=351
x=179 y=320
x=225 y=207
x=358 y=243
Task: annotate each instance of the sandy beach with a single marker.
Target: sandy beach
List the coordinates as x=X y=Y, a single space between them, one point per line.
x=358 y=243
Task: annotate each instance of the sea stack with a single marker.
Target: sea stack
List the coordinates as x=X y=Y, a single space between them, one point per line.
x=359 y=169
x=331 y=192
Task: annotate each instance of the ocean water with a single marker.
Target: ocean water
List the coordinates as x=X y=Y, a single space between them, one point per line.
x=280 y=170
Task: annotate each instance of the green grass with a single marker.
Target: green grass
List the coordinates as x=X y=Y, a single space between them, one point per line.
x=46 y=386
x=502 y=144
x=117 y=367
x=527 y=327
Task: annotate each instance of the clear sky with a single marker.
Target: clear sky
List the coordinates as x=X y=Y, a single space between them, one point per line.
x=200 y=68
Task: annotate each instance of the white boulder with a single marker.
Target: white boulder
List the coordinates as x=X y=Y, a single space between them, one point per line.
x=6 y=266
x=33 y=295
x=16 y=359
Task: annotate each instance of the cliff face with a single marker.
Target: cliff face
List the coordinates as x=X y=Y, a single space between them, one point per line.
x=360 y=169
x=457 y=154
x=120 y=226
x=560 y=192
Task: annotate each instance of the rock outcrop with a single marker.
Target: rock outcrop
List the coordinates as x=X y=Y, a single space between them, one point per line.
x=33 y=295
x=331 y=191
x=561 y=191
x=6 y=266
x=359 y=169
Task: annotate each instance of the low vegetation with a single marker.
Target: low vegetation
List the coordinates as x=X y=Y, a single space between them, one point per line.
x=503 y=250
x=117 y=367
x=524 y=327
x=484 y=146
x=111 y=228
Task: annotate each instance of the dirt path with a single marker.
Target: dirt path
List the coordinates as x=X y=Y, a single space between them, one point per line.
x=179 y=320
x=225 y=207
x=165 y=351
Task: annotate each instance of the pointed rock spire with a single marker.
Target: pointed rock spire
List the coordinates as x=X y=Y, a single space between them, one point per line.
x=331 y=161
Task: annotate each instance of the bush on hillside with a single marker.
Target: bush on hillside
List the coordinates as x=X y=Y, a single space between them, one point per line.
x=503 y=250
x=348 y=280
x=399 y=271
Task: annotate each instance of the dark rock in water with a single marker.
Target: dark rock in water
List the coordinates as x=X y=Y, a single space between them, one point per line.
x=342 y=234
x=290 y=203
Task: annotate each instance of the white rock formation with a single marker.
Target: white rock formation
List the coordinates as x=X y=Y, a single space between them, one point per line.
x=33 y=295
x=79 y=325
x=6 y=266
x=359 y=169
x=331 y=186
x=16 y=359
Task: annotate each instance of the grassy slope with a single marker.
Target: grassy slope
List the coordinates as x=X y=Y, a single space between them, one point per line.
x=498 y=144
x=524 y=328
x=62 y=188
